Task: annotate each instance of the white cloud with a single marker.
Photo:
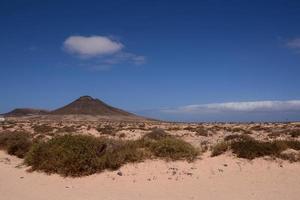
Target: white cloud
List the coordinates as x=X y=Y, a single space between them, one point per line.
x=91 y=46
x=250 y=106
x=100 y=52
x=294 y=43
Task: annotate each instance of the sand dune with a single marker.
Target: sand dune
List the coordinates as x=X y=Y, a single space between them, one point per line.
x=221 y=177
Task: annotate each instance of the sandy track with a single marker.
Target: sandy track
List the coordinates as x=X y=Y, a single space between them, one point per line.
x=222 y=177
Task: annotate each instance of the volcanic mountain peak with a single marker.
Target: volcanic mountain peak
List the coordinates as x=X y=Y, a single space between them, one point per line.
x=87 y=105
x=86 y=98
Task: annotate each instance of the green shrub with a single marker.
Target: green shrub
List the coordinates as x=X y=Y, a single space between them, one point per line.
x=66 y=155
x=219 y=148
x=173 y=148
x=84 y=155
x=15 y=143
x=251 y=149
x=156 y=134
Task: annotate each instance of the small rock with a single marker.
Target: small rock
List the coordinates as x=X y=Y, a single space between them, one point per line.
x=225 y=165
x=120 y=173
x=21 y=177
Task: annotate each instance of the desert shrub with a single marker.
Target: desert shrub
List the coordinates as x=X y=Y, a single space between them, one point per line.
x=259 y=128
x=66 y=129
x=43 y=128
x=201 y=131
x=80 y=155
x=251 y=149
x=173 y=148
x=156 y=134
x=237 y=137
x=219 y=148
x=274 y=134
x=142 y=126
x=174 y=128
x=294 y=133
x=66 y=155
x=189 y=128
x=241 y=130
x=121 y=153
x=106 y=130
x=122 y=135
x=15 y=143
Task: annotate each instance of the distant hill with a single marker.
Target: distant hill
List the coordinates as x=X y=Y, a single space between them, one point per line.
x=18 y=112
x=87 y=105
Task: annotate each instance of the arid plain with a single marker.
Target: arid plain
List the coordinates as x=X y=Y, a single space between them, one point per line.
x=224 y=176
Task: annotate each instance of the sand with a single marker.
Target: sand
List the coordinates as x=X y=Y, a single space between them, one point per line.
x=222 y=177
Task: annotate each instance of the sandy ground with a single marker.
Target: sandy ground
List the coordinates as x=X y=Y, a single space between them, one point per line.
x=221 y=177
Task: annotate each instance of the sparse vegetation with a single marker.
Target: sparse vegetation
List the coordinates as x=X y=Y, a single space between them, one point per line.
x=83 y=155
x=156 y=134
x=200 y=130
x=15 y=143
x=237 y=137
x=219 y=148
x=173 y=148
x=249 y=148
x=294 y=133
x=66 y=129
x=106 y=130
x=43 y=128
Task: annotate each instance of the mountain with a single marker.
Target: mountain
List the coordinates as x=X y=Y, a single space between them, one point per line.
x=18 y=112
x=87 y=105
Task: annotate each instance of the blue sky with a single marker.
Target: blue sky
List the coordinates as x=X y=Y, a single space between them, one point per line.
x=155 y=58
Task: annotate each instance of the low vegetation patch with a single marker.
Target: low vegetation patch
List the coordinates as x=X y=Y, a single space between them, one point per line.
x=219 y=148
x=200 y=130
x=172 y=148
x=66 y=129
x=249 y=148
x=294 y=133
x=106 y=130
x=43 y=128
x=15 y=143
x=80 y=155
